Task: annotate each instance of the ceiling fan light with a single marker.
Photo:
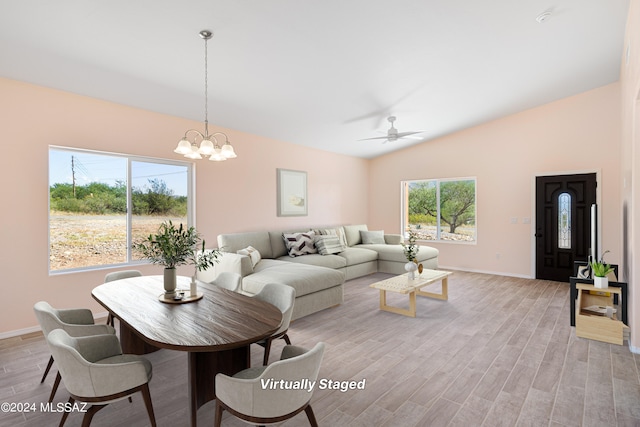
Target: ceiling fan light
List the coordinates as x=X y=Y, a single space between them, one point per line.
x=227 y=151
x=206 y=147
x=184 y=147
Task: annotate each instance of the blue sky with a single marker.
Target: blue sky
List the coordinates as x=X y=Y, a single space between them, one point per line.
x=109 y=169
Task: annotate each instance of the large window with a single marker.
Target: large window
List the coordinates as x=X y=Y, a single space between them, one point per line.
x=439 y=209
x=99 y=203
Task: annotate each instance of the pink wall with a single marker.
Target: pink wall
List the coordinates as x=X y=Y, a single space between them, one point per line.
x=235 y=195
x=576 y=134
x=630 y=167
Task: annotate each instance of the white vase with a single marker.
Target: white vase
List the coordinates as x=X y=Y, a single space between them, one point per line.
x=411 y=268
x=601 y=282
x=170 y=278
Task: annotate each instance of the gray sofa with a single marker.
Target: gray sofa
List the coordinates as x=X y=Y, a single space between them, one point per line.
x=318 y=279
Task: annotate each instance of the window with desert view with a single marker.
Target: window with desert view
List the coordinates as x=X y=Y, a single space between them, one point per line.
x=99 y=203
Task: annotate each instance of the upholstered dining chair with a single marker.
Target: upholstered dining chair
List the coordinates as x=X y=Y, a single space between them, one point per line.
x=96 y=372
x=283 y=297
x=245 y=395
x=228 y=280
x=117 y=275
x=77 y=322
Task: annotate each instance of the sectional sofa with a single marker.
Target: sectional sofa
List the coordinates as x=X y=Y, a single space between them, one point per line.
x=262 y=257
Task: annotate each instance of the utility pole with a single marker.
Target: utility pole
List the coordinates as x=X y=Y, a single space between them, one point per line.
x=73 y=175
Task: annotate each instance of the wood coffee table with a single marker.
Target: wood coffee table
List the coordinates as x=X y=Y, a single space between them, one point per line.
x=403 y=285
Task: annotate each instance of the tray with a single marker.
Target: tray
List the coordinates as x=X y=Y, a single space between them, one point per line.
x=184 y=300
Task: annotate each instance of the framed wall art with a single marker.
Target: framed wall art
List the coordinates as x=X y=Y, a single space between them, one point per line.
x=292 y=193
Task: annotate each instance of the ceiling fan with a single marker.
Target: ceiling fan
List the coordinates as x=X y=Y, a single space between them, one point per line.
x=393 y=134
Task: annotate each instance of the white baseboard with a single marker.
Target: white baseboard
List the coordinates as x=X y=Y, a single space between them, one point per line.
x=32 y=329
x=495 y=273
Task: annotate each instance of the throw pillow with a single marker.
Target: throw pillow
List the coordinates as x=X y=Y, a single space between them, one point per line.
x=299 y=243
x=328 y=244
x=372 y=237
x=334 y=232
x=252 y=253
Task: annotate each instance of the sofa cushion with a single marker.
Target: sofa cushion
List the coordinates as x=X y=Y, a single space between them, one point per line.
x=327 y=245
x=355 y=256
x=299 y=244
x=236 y=241
x=352 y=233
x=329 y=261
x=372 y=237
x=396 y=252
x=305 y=279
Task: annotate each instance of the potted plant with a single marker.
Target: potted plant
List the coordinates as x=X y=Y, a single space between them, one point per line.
x=600 y=270
x=410 y=252
x=173 y=246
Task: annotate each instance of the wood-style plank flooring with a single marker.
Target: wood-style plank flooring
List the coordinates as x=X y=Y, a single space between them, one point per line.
x=499 y=352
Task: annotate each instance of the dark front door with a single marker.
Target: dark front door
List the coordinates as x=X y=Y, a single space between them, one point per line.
x=563 y=218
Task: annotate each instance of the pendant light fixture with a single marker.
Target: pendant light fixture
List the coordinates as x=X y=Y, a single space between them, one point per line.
x=209 y=145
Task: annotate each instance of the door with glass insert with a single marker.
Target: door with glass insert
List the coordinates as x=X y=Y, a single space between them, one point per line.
x=563 y=217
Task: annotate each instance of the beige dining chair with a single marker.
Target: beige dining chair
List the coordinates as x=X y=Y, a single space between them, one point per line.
x=253 y=394
x=228 y=280
x=117 y=275
x=77 y=322
x=96 y=372
x=283 y=297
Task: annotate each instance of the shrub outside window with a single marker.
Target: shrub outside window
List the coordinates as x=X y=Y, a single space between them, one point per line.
x=440 y=209
x=99 y=203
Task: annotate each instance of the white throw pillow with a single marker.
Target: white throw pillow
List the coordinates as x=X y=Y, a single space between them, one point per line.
x=252 y=253
x=372 y=237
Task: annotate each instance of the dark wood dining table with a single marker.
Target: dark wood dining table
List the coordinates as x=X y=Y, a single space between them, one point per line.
x=216 y=330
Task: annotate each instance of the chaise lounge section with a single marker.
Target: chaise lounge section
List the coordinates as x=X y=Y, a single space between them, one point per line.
x=262 y=257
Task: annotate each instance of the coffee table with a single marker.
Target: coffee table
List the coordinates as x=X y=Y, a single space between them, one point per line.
x=403 y=285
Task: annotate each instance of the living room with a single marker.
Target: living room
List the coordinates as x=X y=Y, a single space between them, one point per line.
x=594 y=131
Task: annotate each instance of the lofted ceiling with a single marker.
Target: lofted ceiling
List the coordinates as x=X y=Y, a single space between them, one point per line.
x=322 y=74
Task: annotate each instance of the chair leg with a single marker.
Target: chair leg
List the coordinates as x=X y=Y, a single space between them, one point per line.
x=46 y=371
x=218 y=420
x=56 y=383
x=147 y=402
x=88 y=416
x=311 y=416
x=286 y=339
x=65 y=414
x=267 y=349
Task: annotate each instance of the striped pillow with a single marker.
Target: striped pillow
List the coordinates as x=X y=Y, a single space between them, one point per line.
x=300 y=243
x=328 y=244
x=334 y=232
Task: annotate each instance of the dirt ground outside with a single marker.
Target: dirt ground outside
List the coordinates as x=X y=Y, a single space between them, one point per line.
x=89 y=240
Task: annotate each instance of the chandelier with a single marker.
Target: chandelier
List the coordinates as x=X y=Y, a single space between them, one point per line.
x=209 y=145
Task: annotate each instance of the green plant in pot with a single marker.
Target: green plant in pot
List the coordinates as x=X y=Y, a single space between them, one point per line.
x=410 y=252
x=600 y=271
x=173 y=246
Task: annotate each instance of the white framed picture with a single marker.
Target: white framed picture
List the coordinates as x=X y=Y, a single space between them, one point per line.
x=292 y=192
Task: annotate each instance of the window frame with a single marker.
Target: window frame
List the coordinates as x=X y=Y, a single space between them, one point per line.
x=130 y=158
x=404 y=208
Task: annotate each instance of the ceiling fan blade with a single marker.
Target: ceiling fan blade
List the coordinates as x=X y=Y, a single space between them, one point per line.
x=405 y=134
x=376 y=137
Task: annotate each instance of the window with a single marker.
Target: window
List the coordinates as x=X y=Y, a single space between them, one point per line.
x=99 y=203
x=564 y=221
x=439 y=209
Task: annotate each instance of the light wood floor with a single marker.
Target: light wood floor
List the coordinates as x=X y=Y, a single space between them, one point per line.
x=500 y=352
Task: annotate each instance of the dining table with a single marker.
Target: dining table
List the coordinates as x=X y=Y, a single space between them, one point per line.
x=216 y=328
